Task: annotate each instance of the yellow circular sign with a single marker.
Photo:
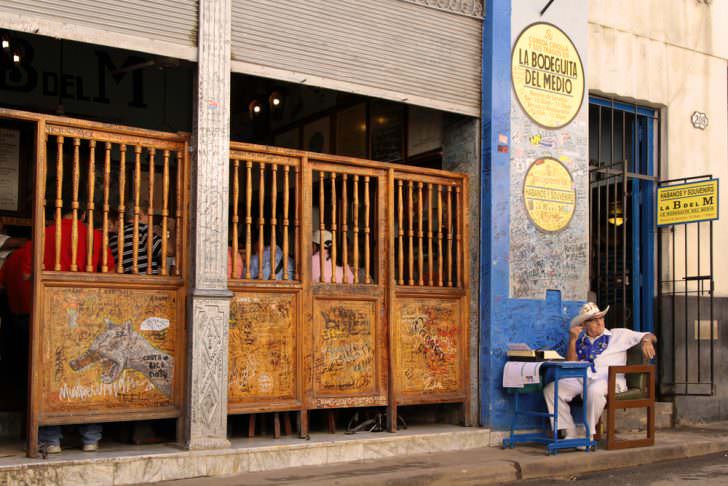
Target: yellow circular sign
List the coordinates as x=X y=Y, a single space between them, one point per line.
x=547 y=75
x=549 y=194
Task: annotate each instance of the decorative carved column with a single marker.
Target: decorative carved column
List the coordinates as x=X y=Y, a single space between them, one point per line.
x=209 y=308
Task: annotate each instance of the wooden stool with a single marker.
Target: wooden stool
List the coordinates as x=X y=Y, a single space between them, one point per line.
x=287 y=429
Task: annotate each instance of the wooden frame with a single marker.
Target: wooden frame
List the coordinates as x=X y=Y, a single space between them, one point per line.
x=613 y=403
x=70 y=287
x=371 y=297
x=384 y=296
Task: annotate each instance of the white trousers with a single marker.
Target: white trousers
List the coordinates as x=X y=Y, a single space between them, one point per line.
x=570 y=388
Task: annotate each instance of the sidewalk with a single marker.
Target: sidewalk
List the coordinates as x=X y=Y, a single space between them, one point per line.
x=485 y=465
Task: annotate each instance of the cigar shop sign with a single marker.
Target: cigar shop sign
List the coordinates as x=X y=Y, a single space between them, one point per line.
x=549 y=194
x=547 y=75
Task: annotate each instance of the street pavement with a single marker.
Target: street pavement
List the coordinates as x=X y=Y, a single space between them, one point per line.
x=711 y=469
x=698 y=455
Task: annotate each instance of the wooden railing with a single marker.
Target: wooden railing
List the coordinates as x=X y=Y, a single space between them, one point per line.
x=375 y=310
x=265 y=215
x=107 y=332
x=429 y=231
x=89 y=155
x=393 y=329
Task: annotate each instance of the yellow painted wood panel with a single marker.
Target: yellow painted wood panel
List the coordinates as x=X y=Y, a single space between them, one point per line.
x=344 y=347
x=428 y=340
x=262 y=347
x=108 y=349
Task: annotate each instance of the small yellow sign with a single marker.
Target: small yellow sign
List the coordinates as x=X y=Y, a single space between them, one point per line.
x=547 y=75
x=687 y=203
x=549 y=194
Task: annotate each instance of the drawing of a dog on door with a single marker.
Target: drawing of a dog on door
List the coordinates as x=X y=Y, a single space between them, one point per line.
x=119 y=347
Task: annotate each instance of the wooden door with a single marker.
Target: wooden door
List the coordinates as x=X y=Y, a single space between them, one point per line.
x=346 y=299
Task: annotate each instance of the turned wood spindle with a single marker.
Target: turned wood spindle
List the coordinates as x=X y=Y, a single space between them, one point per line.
x=74 y=206
x=90 y=205
x=59 y=201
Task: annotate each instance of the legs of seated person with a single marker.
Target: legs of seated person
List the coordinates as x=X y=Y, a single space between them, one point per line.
x=51 y=434
x=569 y=388
x=90 y=433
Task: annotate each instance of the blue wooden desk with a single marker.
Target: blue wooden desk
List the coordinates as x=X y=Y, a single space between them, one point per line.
x=559 y=370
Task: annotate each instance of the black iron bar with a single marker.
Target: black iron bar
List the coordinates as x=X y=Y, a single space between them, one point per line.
x=685 y=274
x=674 y=305
x=632 y=175
x=698 y=303
x=546 y=7
x=624 y=223
x=712 y=337
x=599 y=210
x=685 y=180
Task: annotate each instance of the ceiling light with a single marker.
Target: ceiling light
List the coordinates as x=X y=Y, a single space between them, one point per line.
x=275 y=100
x=616 y=214
x=255 y=108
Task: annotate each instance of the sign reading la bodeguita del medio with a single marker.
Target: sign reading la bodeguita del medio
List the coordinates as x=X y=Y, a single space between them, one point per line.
x=547 y=75
x=549 y=194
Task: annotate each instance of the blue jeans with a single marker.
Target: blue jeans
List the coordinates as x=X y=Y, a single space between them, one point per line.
x=51 y=434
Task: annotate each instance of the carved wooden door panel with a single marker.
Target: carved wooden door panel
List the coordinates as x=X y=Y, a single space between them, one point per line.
x=346 y=320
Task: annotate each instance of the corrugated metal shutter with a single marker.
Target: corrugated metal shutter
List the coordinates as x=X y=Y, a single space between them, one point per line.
x=155 y=23
x=385 y=48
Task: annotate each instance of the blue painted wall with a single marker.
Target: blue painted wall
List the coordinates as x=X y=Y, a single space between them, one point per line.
x=540 y=323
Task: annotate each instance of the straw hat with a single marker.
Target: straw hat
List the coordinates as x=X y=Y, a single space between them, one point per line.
x=588 y=311
x=326 y=237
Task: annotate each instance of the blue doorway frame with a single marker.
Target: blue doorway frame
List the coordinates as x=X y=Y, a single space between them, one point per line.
x=638 y=147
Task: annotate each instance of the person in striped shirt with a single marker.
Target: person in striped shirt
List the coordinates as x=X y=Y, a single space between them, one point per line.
x=127 y=257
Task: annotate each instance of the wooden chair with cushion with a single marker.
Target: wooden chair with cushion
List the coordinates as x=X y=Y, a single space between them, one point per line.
x=640 y=394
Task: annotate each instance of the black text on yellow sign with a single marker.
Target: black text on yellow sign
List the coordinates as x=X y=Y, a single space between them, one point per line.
x=687 y=203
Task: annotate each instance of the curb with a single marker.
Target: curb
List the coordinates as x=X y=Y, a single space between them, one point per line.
x=505 y=471
x=593 y=462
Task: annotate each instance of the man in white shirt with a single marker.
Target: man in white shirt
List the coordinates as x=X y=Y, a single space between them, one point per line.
x=590 y=341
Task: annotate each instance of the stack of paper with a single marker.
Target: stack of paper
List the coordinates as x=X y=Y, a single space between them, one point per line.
x=517 y=374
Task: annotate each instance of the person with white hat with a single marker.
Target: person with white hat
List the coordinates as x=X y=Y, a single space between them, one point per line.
x=590 y=341
x=322 y=244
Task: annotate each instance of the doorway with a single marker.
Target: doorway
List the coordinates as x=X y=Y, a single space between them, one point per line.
x=622 y=169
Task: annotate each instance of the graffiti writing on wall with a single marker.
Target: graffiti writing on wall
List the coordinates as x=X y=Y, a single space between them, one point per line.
x=427 y=346
x=119 y=348
x=345 y=337
x=101 y=351
x=262 y=347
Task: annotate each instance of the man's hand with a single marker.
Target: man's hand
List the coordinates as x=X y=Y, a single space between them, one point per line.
x=648 y=348
x=575 y=331
x=573 y=336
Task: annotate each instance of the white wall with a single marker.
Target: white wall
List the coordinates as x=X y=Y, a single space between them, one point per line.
x=671 y=54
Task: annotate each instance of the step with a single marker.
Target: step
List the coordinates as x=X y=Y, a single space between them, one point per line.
x=139 y=464
x=635 y=419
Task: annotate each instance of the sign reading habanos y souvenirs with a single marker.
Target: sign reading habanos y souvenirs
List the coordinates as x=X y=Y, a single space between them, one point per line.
x=547 y=75
x=549 y=194
x=687 y=203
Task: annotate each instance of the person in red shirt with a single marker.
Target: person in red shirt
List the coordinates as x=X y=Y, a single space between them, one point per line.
x=20 y=273
x=18 y=288
x=66 y=253
x=19 y=297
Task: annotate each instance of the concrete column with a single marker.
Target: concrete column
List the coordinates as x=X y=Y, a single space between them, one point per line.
x=461 y=153
x=209 y=303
